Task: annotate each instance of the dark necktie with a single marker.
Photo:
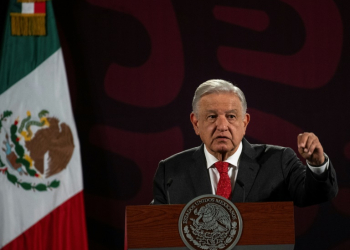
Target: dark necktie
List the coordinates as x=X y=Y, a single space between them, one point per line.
x=224 y=185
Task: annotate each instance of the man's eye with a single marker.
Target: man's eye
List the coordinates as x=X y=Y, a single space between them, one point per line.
x=231 y=116
x=211 y=116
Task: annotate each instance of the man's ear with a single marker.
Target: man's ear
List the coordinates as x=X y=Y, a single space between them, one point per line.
x=194 y=122
x=246 y=120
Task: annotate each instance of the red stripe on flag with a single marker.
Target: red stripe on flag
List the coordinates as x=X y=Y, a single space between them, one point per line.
x=63 y=228
x=39 y=7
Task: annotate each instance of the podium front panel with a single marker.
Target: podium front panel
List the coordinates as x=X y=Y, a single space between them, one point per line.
x=266 y=225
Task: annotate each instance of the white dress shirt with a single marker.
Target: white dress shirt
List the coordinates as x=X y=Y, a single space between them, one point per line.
x=233 y=161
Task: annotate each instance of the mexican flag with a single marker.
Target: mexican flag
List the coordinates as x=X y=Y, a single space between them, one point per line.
x=41 y=188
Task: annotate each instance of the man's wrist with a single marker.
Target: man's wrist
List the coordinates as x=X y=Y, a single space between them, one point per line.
x=325 y=161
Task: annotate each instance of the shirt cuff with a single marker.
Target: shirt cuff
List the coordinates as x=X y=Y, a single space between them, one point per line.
x=319 y=170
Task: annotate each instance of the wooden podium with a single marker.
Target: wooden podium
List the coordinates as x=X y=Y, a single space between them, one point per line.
x=266 y=225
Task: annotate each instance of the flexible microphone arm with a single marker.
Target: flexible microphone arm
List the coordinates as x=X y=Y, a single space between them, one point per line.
x=241 y=184
x=168 y=184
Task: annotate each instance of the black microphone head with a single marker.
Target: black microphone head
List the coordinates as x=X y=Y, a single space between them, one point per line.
x=240 y=183
x=170 y=180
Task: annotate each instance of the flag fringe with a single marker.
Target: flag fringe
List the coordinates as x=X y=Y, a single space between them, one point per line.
x=28 y=24
x=31 y=1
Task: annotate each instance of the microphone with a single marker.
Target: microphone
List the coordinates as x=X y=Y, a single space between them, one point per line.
x=168 y=184
x=241 y=184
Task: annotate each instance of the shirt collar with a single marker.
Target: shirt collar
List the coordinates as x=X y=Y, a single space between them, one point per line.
x=232 y=160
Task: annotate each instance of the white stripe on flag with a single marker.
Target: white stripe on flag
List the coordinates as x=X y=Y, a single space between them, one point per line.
x=28 y=8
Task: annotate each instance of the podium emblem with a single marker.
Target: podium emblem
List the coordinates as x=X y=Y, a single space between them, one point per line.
x=210 y=222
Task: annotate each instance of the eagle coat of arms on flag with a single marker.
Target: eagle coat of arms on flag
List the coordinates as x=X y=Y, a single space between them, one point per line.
x=35 y=149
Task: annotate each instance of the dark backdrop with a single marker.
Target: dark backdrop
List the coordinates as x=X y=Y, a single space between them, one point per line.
x=133 y=67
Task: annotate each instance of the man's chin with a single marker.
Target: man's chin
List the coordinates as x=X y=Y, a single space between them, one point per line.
x=223 y=149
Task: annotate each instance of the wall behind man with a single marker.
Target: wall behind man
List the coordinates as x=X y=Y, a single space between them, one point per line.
x=133 y=67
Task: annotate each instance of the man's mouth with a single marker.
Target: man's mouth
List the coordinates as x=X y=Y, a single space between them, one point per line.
x=222 y=137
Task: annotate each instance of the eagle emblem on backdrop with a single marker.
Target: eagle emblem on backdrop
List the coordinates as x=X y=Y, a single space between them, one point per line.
x=34 y=149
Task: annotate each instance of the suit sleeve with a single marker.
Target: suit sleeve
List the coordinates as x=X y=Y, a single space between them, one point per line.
x=303 y=186
x=159 y=190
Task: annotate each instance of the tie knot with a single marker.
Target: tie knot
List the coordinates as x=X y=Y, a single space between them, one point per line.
x=221 y=166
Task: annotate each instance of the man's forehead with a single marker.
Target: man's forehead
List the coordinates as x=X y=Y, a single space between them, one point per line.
x=217 y=110
x=221 y=99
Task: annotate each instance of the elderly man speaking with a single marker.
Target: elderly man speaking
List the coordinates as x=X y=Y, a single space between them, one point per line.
x=227 y=164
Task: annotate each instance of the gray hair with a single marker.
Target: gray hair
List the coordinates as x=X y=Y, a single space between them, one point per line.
x=217 y=86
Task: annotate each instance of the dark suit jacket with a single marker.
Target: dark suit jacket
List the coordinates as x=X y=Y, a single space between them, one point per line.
x=269 y=173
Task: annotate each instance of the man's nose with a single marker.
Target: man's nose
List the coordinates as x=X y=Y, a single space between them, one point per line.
x=221 y=123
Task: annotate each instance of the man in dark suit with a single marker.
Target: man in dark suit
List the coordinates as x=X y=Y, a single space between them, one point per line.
x=227 y=164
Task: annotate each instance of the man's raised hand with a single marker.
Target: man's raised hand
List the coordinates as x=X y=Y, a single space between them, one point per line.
x=311 y=149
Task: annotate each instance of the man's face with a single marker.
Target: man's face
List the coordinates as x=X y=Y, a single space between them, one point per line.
x=220 y=123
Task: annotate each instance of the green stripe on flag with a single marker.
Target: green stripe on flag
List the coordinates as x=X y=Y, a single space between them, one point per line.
x=20 y=55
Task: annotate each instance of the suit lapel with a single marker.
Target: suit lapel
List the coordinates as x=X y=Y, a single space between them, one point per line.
x=248 y=169
x=199 y=173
